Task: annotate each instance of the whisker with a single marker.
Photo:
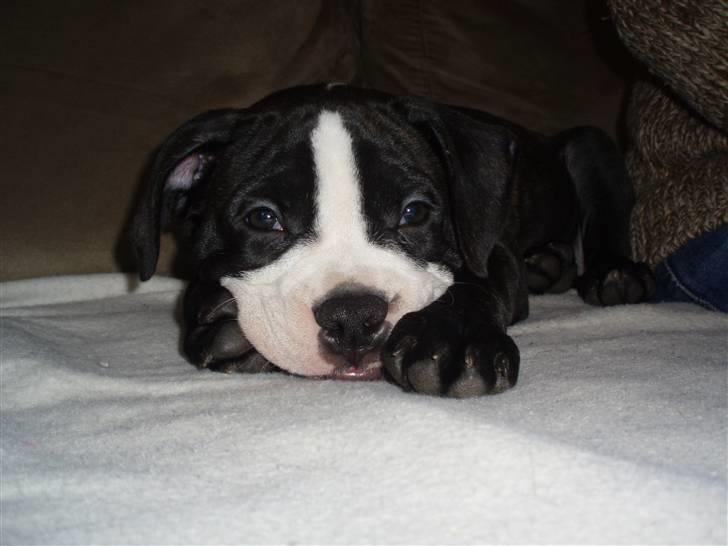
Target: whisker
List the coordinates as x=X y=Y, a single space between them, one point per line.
x=220 y=305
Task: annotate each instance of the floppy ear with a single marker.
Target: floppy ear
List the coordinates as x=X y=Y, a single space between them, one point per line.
x=176 y=180
x=479 y=156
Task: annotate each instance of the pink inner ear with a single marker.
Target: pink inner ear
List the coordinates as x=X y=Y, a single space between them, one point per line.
x=184 y=174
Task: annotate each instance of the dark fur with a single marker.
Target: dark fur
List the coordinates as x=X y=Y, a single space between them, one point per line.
x=507 y=206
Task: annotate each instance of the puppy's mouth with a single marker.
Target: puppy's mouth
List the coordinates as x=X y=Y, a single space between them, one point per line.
x=358 y=372
x=354 y=361
x=352 y=367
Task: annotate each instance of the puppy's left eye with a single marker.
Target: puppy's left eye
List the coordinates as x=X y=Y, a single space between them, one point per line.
x=415 y=213
x=263 y=219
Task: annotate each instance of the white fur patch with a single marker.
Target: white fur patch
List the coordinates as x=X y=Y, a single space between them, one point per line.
x=338 y=202
x=275 y=302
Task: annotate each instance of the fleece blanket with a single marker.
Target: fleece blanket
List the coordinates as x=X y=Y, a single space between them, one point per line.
x=616 y=433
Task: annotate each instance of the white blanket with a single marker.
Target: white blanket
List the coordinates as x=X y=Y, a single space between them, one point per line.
x=616 y=433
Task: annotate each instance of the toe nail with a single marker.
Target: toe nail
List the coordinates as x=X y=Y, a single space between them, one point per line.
x=470 y=358
x=403 y=345
x=501 y=363
x=439 y=354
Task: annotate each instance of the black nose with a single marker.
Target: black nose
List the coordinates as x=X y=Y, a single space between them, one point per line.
x=351 y=324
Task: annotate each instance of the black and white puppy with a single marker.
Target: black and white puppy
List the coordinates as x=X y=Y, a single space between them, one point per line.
x=336 y=231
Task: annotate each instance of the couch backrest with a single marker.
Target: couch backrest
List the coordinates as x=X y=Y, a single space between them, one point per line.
x=89 y=88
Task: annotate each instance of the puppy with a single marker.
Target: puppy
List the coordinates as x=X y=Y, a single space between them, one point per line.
x=337 y=232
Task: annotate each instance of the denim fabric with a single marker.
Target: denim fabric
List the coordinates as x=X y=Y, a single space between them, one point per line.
x=697 y=272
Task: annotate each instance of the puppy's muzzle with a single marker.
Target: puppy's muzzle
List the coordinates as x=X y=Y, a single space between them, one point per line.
x=352 y=325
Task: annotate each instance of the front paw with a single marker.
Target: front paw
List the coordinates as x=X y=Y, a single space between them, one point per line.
x=433 y=352
x=213 y=338
x=221 y=347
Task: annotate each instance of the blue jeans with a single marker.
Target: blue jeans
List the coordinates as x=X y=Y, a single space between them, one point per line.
x=697 y=272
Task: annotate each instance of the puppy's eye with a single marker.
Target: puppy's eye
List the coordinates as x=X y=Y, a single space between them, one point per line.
x=415 y=213
x=263 y=219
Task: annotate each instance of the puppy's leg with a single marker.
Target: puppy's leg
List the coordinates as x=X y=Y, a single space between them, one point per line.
x=457 y=346
x=606 y=198
x=212 y=336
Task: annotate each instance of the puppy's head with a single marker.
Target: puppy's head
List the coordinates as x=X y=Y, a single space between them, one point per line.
x=329 y=213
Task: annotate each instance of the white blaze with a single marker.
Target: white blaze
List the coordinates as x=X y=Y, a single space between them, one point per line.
x=339 y=211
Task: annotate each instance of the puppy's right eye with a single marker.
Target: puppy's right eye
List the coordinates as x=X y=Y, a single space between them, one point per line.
x=263 y=219
x=414 y=214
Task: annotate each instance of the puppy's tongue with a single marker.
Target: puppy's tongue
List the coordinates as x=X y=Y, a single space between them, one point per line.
x=355 y=373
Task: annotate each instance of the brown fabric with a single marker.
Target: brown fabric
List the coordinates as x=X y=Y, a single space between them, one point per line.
x=684 y=43
x=680 y=169
x=678 y=153
x=535 y=62
x=88 y=88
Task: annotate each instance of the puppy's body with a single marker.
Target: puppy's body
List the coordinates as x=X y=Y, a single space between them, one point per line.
x=357 y=230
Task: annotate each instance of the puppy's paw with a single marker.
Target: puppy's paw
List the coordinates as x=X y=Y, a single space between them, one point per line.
x=615 y=284
x=251 y=362
x=551 y=269
x=213 y=338
x=221 y=347
x=432 y=353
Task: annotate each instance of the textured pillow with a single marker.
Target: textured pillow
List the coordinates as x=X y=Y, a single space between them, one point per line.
x=677 y=120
